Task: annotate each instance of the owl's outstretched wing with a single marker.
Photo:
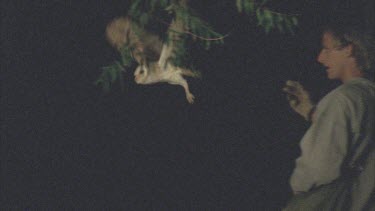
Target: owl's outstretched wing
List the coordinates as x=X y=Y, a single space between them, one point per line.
x=175 y=31
x=123 y=32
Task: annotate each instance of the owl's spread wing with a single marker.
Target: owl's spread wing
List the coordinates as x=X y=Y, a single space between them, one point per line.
x=174 y=35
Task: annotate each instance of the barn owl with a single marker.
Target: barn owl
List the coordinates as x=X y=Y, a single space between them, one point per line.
x=145 y=48
x=163 y=70
x=154 y=73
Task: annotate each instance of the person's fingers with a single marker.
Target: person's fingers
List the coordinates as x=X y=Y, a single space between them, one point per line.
x=297 y=85
x=293 y=103
x=293 y=100
x=292 y=83
x=291 y=90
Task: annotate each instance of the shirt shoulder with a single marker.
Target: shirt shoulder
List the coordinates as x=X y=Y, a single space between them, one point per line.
x=356 y=90
x=358 y=87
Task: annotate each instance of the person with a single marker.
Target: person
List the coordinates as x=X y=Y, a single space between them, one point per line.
x=341 y=137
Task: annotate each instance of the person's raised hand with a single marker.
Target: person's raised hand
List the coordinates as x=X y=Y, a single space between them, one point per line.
x=299 y=99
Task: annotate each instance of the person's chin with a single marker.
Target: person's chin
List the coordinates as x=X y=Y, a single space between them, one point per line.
x=330 y=74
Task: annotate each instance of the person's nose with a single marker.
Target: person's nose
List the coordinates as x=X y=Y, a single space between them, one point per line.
x=320 y=57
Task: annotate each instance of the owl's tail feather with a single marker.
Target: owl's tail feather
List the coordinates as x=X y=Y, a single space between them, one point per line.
x=191 y=73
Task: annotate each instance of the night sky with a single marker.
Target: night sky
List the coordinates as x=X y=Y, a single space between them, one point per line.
x=67 y=145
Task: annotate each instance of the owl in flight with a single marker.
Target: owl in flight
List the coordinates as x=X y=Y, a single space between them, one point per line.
x=152 y=55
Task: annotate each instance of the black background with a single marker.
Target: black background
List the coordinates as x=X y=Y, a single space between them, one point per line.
x=67 y=145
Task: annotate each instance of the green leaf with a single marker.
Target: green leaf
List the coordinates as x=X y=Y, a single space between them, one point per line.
x=153 y=3
x=193 y=28
x=239 y=5
x=143 y=20
x=267 y=28
x=98 y=82
x=118 y=66
x=163 y=3
x=106 y=86
x=134 y=8
x=121 y=79
x=112 y=74
x=109 y=75
x=207 y=45
x=259 y=16
x=288 y=25
x=267 y=14
x=269 y=18
x=249 y=6
x=126 y=56
x=280 y=27
x=279 y=18
x=135 y=5
x=295 y=21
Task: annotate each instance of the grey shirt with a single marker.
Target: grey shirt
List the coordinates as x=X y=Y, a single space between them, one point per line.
x=343 y=127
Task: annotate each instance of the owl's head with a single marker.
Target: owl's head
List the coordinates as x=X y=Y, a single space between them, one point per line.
x=140 y=74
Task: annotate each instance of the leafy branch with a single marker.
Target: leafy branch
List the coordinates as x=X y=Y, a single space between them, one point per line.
x=114 y=72
x=144 y=12
x=266 y=17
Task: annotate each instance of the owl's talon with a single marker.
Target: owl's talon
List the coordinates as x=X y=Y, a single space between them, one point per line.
x=190 y=98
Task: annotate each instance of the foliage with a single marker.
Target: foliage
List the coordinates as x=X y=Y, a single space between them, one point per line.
x=266 y=17
x=109 y=75
x=143 y=11
x=114 y=72
x=146 y=12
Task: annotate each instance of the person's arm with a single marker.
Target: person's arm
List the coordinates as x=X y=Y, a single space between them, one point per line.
x=324 y=146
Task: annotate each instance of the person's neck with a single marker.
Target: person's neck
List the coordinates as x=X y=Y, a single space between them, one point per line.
x=352 y=72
